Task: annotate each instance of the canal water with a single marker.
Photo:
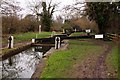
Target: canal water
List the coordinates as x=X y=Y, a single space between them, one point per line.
x=23 y=65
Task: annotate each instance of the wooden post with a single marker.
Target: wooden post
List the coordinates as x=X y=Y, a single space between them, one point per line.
x=57 y=42
x=39 y=29
x=75 y=30
x=10 y=42
x=33 y=40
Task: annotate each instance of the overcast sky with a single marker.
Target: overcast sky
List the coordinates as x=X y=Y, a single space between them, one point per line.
x=24 y=3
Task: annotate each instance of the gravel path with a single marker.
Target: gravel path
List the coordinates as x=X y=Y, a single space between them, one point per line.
x=94 y=65
x=100 y=70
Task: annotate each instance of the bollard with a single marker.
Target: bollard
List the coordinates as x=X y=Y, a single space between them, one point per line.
x=75 y=29
x=33 y=40
x=10 y=42
x=39 y=29
x=57 y=42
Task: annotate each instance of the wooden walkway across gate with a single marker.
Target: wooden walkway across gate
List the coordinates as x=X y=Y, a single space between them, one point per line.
x=51 y=41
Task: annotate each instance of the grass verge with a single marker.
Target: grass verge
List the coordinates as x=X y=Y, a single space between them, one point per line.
x=80 y=33
x=60 y=62
x=28 y=36
x=112 y=59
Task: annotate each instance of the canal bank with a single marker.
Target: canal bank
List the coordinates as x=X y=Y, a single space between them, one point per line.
x=6 y=52
x=13 y=51
x=50 y=41
x=23 y=64
x=21 y=51
x=27 y=63
x=42 y=64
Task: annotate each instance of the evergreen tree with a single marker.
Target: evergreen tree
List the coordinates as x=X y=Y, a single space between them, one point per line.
x=102 y=13
x=46 y=18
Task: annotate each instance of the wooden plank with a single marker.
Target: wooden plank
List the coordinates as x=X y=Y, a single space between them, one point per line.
x=43 y=44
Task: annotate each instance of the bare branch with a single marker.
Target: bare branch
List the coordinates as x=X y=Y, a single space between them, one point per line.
x=10 y=7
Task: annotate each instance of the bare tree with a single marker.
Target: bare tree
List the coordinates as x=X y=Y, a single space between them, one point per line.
x=45 y=11
x=10 y=7
x=76 y=10
x=36 y=7
x=10 y=10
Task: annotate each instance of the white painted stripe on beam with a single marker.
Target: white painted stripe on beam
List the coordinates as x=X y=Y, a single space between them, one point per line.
x=99 y=36
x=88 y=31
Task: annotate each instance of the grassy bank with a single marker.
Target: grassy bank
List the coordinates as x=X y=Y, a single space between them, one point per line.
x=23 y=38
x=60 y=62
x=80 y=33
x=112 y=59
x=27 y=36
x=30 y=35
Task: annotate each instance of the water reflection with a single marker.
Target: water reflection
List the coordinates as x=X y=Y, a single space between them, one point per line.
x=10 y=61
x=23 y=64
